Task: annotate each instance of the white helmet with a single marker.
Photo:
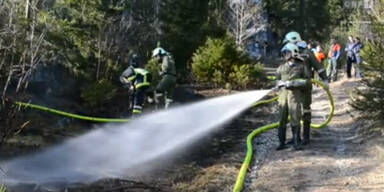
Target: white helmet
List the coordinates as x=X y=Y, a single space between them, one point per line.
x=292 y=49
x=302 y=44
x=292 y=37
x=158 y=51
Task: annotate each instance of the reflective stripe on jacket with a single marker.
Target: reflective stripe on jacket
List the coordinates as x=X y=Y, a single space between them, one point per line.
x=137 y=76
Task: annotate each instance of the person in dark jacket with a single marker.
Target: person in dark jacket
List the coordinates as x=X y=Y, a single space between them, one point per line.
x=359 y=70
x=350 y=55
x=138 y=80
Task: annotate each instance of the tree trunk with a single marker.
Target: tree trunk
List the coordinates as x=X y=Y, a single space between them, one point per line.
x=27 y=8
x=302 y=25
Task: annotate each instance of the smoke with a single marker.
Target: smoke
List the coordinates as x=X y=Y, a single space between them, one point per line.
x=116 y=150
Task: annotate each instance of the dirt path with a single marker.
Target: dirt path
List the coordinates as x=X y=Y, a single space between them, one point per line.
x=338 y=159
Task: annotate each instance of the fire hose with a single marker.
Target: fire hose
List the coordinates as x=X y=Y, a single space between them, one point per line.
x=244 y=168
x=248 y=158
x=71 y=115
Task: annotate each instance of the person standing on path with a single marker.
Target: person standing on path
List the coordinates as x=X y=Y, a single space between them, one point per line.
x=359 y=71
x=333 y=58
x=292 y=80
x=350 y=56
x=311 y=66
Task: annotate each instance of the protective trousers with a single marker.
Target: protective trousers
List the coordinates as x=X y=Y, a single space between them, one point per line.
x=165 y=89
x=292 y=107
x=307 y=114
x=138 y=100
x=283 y=109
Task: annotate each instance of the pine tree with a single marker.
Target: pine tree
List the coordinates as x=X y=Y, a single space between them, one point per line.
x=370 y=101
x=182 y=28
x=312 y=19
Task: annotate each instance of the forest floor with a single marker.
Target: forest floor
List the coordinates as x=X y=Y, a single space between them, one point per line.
x=341 y=157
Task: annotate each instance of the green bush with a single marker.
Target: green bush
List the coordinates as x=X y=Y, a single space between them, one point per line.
x=370 y=100
x=219 y=62
x=98 y=93
x=244 y=76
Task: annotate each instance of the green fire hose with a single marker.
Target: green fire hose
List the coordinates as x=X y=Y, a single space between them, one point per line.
x=71 y=115
x=244 y=168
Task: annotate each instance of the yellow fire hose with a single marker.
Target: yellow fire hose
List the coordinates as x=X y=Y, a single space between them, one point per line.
x=71 y=115
x=244 y=168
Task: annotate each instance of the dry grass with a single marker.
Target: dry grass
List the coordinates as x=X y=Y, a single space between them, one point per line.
x=220 y=177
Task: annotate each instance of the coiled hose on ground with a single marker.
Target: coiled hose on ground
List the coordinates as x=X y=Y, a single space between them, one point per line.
x=248 y=158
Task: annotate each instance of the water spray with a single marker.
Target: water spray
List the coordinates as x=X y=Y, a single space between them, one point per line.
x=122 y=150
x=248 y=158
x=112 y=169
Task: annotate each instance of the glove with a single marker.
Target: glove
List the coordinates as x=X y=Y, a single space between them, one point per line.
x=150 y=99
x=127 y=85
x=282 y=84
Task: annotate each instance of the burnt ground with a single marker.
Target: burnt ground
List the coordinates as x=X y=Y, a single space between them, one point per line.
x=341 y=157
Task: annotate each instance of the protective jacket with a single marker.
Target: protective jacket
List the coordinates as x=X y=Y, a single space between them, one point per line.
x=312 y=64
x=138 y=77
x=291 y=98
x=168 y=66
x=296 y=74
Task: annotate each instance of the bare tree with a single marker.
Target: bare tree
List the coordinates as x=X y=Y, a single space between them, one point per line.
x=22 y=50
x=243 y=19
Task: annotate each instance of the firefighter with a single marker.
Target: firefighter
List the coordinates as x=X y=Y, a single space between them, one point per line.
x=138 y=80
x=167 y=84
x=292 y=80
x=311 y=65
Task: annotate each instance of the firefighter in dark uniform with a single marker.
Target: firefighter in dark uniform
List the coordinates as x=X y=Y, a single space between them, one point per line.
x=138 y=80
